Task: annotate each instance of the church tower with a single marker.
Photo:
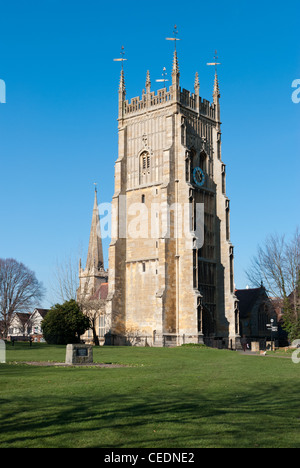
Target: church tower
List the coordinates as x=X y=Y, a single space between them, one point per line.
x=171 y=278
x=94 y=273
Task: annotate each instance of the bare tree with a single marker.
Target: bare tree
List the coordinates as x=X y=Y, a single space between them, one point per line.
x=65 y=279
x=277 y=265
x=93 y=309
x=19 y=290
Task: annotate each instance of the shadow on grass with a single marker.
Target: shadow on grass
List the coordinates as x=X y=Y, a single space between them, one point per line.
x=264 y=417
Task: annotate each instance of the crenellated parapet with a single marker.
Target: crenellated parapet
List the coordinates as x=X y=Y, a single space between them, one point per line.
x=165 y=97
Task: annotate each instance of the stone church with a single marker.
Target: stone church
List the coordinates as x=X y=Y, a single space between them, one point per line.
x=171 y=261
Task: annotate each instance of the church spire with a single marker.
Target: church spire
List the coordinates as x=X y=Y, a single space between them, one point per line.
x=175 y=69
x=216 y=94
x=197 y=92
x=122 y=89
x=197 y=84
x=95 y=252
x=148 y=82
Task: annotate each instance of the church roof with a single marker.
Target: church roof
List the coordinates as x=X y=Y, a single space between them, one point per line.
x=247 y=299
x=101 y=292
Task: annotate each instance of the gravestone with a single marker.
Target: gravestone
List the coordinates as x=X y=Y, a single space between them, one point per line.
x=79 y=354
x=2 y=352
x=255 y=346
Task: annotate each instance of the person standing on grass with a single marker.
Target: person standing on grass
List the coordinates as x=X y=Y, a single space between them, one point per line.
x=244 y=343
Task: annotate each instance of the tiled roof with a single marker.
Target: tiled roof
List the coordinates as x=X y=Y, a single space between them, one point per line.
x=247 y=299
x=42 y=312
x=23 y=317
x=101 y=292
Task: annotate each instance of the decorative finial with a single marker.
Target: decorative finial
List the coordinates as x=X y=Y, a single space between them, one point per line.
x=122 y=80
x=216 y=83
x=96 y=190
x=197 y=85
x=148 y=81
x=175 y=70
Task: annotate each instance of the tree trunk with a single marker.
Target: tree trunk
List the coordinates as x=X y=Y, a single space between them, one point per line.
x=95 y=337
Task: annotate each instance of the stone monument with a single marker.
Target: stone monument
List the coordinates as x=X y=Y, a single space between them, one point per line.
x=79 y=354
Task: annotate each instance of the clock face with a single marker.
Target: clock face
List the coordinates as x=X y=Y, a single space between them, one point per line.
x=199 y=176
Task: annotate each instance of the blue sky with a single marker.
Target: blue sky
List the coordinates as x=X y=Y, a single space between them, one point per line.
x=58 y=128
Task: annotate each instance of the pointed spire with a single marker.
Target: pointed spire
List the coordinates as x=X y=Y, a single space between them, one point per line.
x=197 y=84
x=197 y=93
x=122 y=88
x=216 y=94
x=122 y=95
x=175 y=70
x=122 y=80
x=148 y=82
x=95 y=252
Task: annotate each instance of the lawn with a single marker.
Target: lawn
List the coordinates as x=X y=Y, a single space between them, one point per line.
x=164 y=398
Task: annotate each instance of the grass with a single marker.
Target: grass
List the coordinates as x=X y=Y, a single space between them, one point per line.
x=189 y=397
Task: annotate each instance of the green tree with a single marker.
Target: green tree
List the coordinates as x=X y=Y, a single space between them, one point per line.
x=65 y=323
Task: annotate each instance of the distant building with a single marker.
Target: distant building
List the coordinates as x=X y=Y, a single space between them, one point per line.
x=24 y=326
x=18 y=326
x=34 y=325
x=256 y=312
x=93 y=283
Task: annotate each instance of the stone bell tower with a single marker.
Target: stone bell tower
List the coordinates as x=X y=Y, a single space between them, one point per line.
x=171 y=278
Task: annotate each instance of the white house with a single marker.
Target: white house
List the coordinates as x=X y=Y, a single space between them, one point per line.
x=18 y=326
x=24 y=326
x=34 y=325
